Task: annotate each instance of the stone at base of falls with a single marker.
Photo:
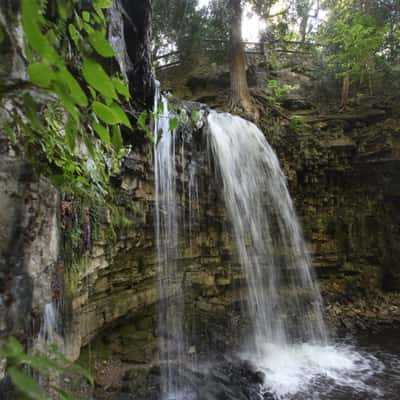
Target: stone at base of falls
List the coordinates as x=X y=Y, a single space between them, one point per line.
x=222 y=379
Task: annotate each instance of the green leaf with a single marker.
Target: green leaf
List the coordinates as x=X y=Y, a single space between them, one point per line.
x=12 y=348
x=71 y=134
x=103 y=3
x=103 y=133
x=41 y=74
x=173 y=123
x=31 y=111
x=194 y=116
x=89 y=145
x=88 y=28
x=105 y=113
x=57 y=180
x=101 y=44
x=123 y=118
x=41 y=363
x=141 y=121
x=73 y=33
x=122 y=88
x=117 y=140
x=86 y=16
x=27 y=385
x=96 y=77
x=75 y=91
x=64 y=9
x=32 y=29
x=67 y=102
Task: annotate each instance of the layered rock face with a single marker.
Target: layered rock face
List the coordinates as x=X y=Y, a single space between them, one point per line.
x=119 y=290
x=343 y=172
x=346 y=189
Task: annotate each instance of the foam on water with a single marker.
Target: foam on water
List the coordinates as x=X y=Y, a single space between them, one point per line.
x=317 y=369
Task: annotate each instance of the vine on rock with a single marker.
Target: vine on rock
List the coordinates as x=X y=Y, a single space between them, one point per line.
x=69 y=120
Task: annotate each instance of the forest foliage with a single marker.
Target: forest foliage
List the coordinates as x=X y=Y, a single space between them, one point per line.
x=353 y=38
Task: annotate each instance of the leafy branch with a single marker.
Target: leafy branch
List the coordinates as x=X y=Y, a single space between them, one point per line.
x=70 y=122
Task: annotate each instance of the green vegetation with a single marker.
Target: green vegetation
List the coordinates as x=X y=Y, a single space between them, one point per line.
x=23 y=367
x=276 y=92
x=356 y=40
x=70 y=124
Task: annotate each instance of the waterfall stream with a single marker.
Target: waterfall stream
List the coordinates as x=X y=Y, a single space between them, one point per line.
x=287 y=338
x=283 y=300
x=166 y=226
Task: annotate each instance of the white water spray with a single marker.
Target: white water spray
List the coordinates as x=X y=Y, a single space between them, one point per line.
x=288 y=339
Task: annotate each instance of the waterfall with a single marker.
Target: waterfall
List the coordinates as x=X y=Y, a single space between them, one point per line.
x=283 y=301
x=48 y=332
x=166 y=229
x=286 y=336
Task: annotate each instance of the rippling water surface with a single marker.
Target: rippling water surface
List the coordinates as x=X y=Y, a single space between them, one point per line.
x=367 y=368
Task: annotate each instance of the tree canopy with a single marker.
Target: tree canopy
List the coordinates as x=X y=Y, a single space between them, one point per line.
x=354 y=38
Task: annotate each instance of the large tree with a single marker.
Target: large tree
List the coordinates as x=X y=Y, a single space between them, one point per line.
x=240 y=99
x=358 y=35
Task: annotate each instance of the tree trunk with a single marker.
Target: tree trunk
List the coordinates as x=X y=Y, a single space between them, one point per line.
x=137 y=35
x=240 y=99
x=303 y=28
x=345 y=93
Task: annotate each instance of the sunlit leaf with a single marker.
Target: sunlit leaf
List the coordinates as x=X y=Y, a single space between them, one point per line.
x=86 y=16
x=122 y=88
x=105 y=113
x=102 y=3
x=75 y=91
x=41 y=74
x=123 y=118
x=95 y=76
x=73 y=33
x=31 y=24
x=101 y=44
x=173 y=123
x=103 y=133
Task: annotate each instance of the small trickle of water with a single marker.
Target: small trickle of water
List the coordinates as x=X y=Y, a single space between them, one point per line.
x=48 y=329
x=172 y=344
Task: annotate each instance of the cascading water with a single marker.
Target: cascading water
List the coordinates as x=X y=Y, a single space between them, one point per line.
x=48 y=333
x=283 y=301
x=171 y=309
x=288 y=339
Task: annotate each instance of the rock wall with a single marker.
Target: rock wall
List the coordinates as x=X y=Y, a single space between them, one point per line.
x=29 y=233
x=118 y=292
